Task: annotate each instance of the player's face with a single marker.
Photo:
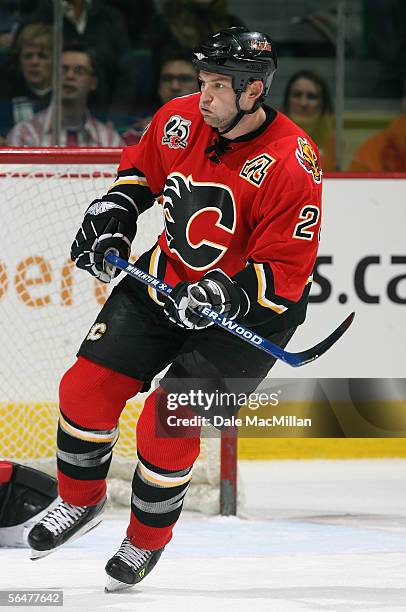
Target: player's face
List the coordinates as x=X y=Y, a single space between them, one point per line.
x=217 y=99
x=304 y=99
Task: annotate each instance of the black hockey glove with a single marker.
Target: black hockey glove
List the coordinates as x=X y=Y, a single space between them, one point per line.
x=215 y=290
x=106 y=226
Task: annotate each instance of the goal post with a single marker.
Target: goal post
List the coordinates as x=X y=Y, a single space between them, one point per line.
x=47 y=305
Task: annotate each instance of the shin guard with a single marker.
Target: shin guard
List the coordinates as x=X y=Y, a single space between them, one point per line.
x=161 y=479
x=91 y=400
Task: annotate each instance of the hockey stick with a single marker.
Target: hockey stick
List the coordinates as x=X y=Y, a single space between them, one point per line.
x=293 y=359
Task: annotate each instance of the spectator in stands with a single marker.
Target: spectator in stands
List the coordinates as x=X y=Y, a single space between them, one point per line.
x=184 y=24
x=79 y=127
x=100 y=27
x=26 y=76
x=308 y=103
x=386 y=150
x=177 y=78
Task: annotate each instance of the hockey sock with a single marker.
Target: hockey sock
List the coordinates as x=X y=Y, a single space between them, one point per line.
x=91 y=400
x=162 y=476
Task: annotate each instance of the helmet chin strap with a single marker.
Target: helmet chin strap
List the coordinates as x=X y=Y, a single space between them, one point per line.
x=240 y=113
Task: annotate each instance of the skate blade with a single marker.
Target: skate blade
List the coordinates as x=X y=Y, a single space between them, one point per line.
x=39 y=554
x=113 y=585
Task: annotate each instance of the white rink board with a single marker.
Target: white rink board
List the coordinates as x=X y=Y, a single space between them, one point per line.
x=361 y=218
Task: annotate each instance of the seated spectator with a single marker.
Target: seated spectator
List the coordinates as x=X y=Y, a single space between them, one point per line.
x=184 y=24
x=386 y=150
x=26 y=76
x=79 y=127
x=307 y=102
x=99 y=26
x=177 y=78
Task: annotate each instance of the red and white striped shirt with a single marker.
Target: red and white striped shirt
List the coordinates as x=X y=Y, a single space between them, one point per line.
x=37 y=132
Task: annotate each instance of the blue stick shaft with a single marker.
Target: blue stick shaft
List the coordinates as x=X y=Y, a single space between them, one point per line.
x=293 y=359
x=231 y=326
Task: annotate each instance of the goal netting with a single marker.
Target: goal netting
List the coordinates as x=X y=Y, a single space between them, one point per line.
x=47 y=306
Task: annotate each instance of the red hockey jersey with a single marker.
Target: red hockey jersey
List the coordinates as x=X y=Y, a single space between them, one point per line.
x=250 y=206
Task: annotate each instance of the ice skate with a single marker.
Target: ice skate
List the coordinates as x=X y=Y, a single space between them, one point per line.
x=129 y=566
x=64 y=523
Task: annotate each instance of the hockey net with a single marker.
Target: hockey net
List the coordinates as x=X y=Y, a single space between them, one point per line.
x=47 y=305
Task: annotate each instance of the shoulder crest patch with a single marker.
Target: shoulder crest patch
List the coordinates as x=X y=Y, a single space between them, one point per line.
x=176 y=132
x=307 y=158
x=255 y=170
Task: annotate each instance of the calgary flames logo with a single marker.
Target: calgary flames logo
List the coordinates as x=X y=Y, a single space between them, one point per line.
x=307 y=158
x=200 y=220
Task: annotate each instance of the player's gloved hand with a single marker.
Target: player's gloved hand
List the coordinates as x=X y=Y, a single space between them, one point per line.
x=215 y=290
x=106 y=226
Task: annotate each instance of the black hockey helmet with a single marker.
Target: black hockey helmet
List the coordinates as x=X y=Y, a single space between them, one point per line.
x=241 y=54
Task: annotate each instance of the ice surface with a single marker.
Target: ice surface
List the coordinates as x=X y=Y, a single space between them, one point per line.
x=314 y=536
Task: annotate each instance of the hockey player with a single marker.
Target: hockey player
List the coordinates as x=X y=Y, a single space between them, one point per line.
x=240 y=186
